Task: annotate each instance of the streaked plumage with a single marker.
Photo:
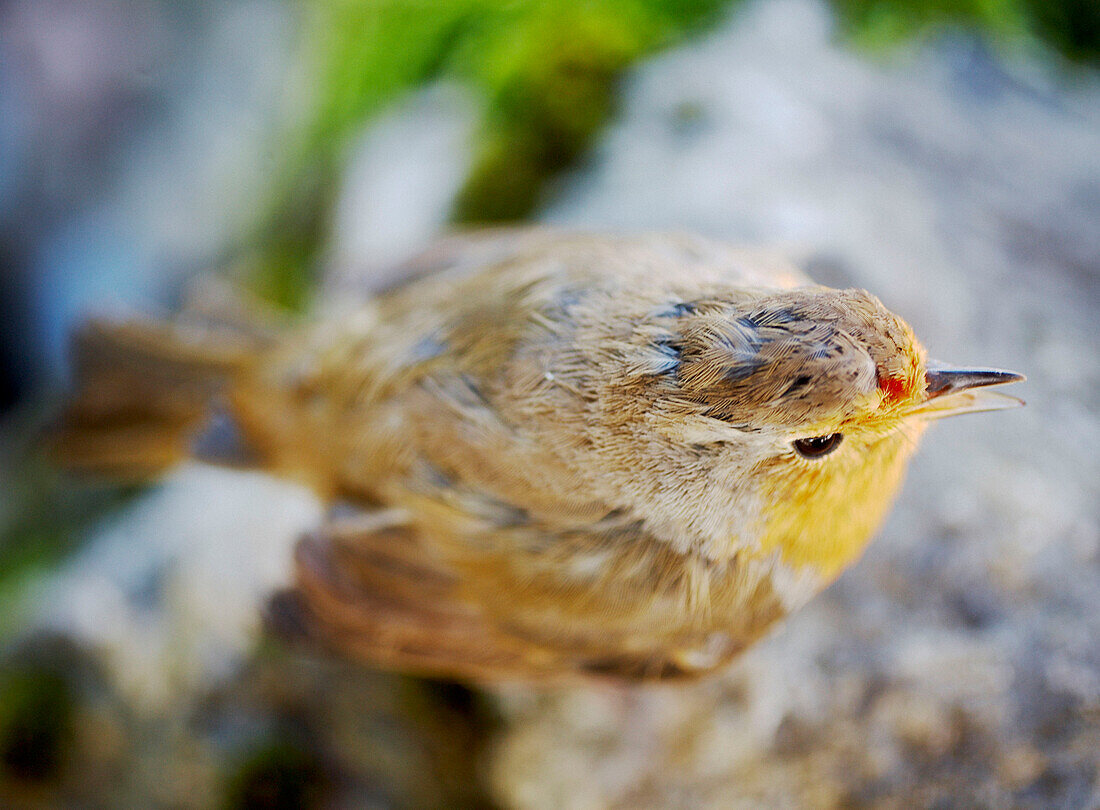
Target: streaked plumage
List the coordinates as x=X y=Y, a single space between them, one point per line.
x=567 y=453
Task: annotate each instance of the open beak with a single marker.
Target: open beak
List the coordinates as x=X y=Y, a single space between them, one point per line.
x=953 y=391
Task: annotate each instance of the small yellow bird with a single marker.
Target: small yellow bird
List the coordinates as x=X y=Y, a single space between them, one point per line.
x=565 y=454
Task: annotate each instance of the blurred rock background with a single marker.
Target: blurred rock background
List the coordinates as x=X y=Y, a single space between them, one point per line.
x=945 y=155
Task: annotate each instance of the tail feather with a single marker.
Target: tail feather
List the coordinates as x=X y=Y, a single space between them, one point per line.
x=143 y=389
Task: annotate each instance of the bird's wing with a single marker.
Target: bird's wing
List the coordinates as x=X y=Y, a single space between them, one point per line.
x=373 y=590
x=376 y=595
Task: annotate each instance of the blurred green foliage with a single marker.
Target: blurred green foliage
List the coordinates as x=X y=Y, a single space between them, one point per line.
x=36 y=720
x=547 y=72
x=545 y=68
x=280 y=774
x=882 y=23
x=48 y=688
x=50 y=518
x=1071 y=27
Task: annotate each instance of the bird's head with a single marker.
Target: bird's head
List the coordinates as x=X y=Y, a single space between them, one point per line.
x=792 y=414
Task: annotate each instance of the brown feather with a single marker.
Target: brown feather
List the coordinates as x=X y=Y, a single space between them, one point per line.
x=142 y=391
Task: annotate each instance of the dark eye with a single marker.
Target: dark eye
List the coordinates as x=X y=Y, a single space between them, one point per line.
x=818 y=446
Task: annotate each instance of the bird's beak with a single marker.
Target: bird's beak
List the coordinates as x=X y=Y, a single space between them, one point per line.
x=952 y=391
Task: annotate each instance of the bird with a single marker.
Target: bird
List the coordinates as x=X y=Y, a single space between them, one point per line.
x=549 y=455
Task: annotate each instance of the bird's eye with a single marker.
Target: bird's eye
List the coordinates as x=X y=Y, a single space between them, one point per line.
x=817 y=446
